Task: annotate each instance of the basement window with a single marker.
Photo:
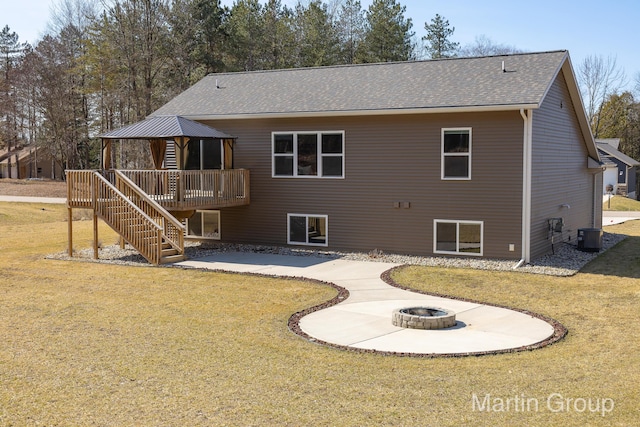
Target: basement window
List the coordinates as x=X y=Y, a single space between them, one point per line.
x=204 y=225
x=458 y=237
x=307 y=229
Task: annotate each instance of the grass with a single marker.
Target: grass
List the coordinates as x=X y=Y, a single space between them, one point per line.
x=620 y=203
x=98 y=344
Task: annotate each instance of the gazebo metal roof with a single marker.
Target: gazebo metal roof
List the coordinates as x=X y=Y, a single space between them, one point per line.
x=166 y=127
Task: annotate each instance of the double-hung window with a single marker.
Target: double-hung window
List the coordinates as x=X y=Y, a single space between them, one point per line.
x=308 y=154
x=456 y=154
x=458 y=237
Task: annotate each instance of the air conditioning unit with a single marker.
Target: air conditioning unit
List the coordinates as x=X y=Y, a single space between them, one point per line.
x=590 y=239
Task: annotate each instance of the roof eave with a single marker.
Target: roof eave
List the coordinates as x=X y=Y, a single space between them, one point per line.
x=576 y=98
x=353 y=113
x=140 y=137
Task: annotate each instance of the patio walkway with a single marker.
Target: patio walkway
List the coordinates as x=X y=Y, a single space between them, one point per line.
x=363 y=321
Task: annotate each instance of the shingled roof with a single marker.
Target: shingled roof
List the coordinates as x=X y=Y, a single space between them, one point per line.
x=613 y=152
x=491 y=82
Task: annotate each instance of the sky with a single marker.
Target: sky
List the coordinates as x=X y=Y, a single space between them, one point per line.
x=583 y=27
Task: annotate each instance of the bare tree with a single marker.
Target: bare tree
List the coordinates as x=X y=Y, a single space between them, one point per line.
x=599 y=78
x=484 y=46
x=71 y=13
x=11 y=51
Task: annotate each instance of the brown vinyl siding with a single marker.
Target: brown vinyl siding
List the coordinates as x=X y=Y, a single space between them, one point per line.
x=392 y=116
x=387 y=159
x=559 y=170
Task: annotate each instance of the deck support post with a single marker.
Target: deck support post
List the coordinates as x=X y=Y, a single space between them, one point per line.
x=95 y=235
x=70 y=231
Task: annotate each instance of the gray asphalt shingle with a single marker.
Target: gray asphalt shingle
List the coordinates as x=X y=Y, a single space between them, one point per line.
x=612 y=152
x=434 y=84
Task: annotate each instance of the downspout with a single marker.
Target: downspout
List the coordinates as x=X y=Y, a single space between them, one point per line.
x=526 y=187
x=595 y=199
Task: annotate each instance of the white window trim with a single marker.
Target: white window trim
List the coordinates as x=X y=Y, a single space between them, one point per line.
x=307 y=216
x=320 y=155
x=443 y=154
x=457 y=251
x=194 y=236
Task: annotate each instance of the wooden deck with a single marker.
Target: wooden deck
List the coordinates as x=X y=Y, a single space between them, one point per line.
x=143 y=206
x=174 y=190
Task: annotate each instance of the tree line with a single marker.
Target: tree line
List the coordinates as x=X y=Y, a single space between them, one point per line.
x=102 y=67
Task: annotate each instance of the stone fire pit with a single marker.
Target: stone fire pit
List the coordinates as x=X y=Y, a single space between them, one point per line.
x=423 y=318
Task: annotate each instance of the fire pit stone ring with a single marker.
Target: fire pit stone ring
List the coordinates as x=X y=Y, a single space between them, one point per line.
x=423 y=318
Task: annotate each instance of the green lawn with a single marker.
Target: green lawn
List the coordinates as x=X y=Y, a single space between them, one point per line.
x=620 y=203
x=97 y=344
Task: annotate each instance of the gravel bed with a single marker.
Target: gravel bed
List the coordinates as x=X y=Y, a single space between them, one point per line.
x=566 y=260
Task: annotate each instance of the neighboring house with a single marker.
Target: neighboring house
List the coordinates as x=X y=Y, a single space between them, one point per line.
x=28 y=162
x=625 y=182
x=467 y=156
x=609 y=176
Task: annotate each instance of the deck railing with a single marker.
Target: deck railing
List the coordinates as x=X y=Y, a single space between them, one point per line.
x=131 y=222
x=175 y=190
x=173 y=229
x=180 y=190
x=138 y=219
x=80 y=185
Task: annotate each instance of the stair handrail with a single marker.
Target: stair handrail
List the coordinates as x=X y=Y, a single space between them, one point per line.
x=139 y=241
x=173 y=229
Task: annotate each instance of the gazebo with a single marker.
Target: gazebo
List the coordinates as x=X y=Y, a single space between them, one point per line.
x=159 y=130
x=184 y=189
x=146 y=207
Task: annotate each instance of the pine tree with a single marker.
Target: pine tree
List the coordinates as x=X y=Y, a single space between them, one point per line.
x=208 y=19
x=388 y=35
x=246 y=31
x=619 y=117
x=438 y=40
x=278 y=35
x=350 y=25
x=317 y=38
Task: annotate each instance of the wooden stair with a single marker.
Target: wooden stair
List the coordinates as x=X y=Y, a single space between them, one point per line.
x=170 y=254
x=138 y=219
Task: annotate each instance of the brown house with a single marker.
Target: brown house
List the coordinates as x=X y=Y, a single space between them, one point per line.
x=489 y=156
x=469 y=156
x=28 y=162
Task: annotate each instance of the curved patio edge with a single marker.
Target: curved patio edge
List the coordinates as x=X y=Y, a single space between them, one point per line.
x=359 y=318
x=340 y=315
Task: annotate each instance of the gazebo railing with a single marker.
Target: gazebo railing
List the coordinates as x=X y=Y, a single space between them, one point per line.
x=141 y=221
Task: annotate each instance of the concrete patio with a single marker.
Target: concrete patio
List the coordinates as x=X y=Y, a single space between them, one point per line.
x=363 y=321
